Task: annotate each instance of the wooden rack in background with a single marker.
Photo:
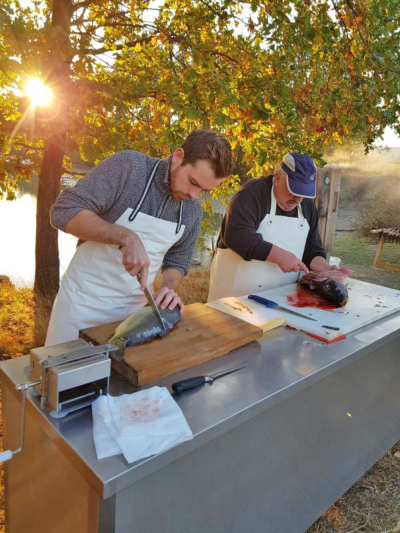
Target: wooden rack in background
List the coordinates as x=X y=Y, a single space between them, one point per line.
x=391 y=235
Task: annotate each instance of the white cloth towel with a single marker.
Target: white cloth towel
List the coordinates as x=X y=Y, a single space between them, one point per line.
x=138 y=425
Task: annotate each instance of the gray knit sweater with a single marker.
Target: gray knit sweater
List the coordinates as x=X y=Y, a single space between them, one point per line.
x=116 y=185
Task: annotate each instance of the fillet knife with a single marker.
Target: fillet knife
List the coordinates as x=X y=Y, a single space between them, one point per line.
x=274 y=305
x=192 y=383
x=153 y=305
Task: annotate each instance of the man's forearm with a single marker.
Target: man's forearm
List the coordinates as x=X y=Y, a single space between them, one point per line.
x=88 y=226
x=170 y=278
x=319 y=264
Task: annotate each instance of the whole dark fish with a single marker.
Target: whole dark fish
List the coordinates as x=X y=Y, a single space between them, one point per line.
x=142 y=327
x=331 y=290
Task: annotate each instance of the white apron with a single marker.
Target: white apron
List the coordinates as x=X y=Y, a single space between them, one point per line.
x=233 y=276
x=96 y=288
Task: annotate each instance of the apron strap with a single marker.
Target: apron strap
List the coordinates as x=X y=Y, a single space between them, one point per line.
x=272 y=212
x=300 y=216
x=179 y=225
x=135 y=211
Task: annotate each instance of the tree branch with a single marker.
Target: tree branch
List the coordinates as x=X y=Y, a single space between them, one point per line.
x=95 y=27
x=79 y=5
x=17 y=143
x=102 y=50
x=231 y=59
x=367 y=45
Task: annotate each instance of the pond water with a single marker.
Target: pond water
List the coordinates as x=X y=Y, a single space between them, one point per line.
x=17 y=239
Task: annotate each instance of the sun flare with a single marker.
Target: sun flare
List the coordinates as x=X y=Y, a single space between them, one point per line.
x=38 y=92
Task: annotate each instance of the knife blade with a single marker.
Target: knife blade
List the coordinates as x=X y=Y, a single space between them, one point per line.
x=197 y=381
x=154 y=306
x=274 y=305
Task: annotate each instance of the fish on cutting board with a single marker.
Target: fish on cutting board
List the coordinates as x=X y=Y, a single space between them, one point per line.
x=339 y=274
x=334 y=292
x=142 y=326
x=328 y=285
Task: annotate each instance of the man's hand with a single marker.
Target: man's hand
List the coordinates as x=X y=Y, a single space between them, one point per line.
x=167 y=298
x=285 y=260
x=135 y=258
x=320 y=264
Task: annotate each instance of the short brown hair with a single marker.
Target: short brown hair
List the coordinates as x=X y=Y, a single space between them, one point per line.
x=209 y=146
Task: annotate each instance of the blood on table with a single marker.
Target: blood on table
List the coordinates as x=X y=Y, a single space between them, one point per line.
x=302 y=298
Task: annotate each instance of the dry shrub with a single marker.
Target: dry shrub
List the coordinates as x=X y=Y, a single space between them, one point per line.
x=336 y=518
x=381 y=207
x=193 y=287
x=356 y=190
x=17 y=312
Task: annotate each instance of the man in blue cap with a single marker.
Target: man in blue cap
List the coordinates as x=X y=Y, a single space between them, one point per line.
x=269 y=232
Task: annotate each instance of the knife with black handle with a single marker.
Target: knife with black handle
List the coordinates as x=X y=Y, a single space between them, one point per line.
x=197 y=381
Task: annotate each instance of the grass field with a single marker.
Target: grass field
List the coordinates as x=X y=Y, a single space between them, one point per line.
x=359 y=254
x=372 y=505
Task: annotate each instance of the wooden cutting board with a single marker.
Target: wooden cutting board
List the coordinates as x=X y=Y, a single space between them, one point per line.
x=202 y=334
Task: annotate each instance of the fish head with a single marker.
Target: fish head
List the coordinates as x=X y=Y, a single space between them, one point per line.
x=336 y=292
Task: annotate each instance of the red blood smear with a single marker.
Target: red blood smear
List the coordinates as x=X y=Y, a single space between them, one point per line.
x=135 y=413
x=144 y=410
x=309 y=299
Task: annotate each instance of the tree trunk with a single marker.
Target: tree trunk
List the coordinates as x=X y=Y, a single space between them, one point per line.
x=47 y=269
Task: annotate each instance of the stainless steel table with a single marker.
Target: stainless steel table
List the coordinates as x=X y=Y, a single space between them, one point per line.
x=275 y=444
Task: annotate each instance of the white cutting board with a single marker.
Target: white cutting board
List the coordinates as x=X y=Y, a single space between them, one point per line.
x=367 y=303
x=249 y=311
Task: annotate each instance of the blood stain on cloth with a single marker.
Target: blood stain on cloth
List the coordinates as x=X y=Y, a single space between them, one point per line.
x=305 y=299
x=143 y=410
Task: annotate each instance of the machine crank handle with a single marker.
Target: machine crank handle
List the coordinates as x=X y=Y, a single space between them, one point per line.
x=23 y=387
x=191 y=383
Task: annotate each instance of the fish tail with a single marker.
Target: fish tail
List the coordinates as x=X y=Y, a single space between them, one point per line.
x=121 y=343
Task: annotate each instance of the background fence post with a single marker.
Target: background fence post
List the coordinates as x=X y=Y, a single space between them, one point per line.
x=327 y=203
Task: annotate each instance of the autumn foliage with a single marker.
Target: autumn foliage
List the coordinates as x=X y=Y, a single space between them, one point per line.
x=272 y=76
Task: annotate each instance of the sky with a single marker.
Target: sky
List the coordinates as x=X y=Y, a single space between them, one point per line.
x=390 y=139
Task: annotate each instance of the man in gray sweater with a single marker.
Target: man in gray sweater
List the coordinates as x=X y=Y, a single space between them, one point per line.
x=133 y=214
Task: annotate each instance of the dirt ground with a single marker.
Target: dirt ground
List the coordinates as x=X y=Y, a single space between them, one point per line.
x=372 y=505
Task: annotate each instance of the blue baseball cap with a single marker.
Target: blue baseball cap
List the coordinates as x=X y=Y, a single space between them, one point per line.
x=301 y=174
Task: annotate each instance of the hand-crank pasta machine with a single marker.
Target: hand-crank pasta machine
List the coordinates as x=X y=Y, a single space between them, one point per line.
x=67 y=377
